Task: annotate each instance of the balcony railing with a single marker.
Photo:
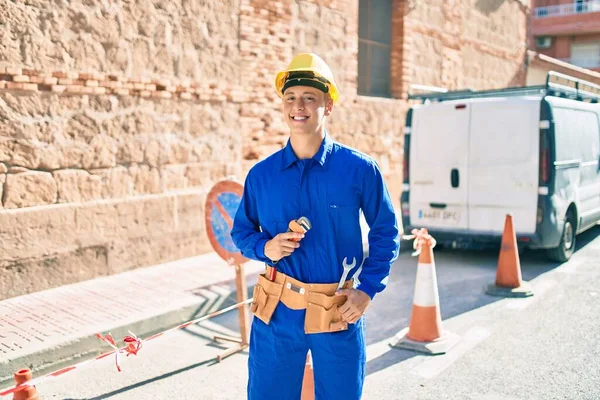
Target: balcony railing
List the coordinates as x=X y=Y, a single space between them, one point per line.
x=567 y=9
x=590 y=62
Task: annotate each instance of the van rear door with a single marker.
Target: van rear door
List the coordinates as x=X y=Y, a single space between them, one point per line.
x=504 y=163
x=438 y=165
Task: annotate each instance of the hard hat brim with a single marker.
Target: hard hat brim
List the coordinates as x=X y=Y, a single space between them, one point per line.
x=281 y=76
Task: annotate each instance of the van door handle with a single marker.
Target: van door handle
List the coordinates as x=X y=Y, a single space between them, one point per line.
x=438 y=205
x=454 y=178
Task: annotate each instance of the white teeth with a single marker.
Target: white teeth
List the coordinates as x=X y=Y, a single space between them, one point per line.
x=299 y=118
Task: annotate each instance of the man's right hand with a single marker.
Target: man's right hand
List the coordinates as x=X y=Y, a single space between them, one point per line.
x=282 y=245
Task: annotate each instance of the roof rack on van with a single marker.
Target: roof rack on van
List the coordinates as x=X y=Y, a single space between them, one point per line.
x=567 y=86
x=557 y=84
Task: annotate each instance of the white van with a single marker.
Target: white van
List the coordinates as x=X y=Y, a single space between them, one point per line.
x=472 y=157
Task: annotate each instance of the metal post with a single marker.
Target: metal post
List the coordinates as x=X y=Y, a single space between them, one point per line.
x=243 y=314
x=242 y=295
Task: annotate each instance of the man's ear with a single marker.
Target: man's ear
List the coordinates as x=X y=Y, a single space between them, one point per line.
x=328 y=106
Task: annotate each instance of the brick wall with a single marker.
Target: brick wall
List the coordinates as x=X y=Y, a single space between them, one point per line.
x=572 y=24
x=595 y=38
x=117 y=119
x=561 y=48
x=469 y=43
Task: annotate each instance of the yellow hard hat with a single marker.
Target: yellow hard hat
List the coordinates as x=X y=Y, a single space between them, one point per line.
x=310 y=63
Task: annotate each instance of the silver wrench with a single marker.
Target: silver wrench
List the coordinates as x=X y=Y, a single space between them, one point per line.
x=347 y=268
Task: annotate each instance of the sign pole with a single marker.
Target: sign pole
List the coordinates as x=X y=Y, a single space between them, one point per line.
x=243 y=314
x=221 y=204
x=242 y=296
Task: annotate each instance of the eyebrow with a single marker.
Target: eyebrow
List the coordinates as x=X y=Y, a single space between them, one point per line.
x=292 y=92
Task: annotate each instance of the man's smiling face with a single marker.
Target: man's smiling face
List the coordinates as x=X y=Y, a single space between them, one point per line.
x=305 y=109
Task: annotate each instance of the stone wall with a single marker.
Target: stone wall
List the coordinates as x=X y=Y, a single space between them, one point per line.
x=116 y=119
x=468 y=43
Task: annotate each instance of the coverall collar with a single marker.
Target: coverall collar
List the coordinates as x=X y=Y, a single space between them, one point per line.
x=288 y=157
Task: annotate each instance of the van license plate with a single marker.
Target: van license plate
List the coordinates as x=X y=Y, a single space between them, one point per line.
x=441 y=215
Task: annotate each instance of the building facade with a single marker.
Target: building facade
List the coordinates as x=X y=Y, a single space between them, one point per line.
x=117 y=119
x=568 y=30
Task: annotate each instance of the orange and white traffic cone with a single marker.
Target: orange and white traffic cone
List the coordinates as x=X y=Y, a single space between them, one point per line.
x=29 y=393
x=508 y=275
x=308 y=384
x=425 y=332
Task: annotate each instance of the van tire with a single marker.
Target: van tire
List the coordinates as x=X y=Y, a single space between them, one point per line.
x=565 y=248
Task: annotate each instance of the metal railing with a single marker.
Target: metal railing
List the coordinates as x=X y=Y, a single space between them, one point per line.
x=584 y=62
x=567 y=86
x=567 y=9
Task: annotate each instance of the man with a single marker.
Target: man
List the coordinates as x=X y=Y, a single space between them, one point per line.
x=296 y=305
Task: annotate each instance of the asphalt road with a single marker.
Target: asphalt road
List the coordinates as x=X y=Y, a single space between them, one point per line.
x=543 y=347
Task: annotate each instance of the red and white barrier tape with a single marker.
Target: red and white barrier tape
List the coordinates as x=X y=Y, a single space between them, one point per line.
x=133 y=345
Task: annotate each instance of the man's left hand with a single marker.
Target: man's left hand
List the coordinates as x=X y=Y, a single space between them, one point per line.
x=355 y=306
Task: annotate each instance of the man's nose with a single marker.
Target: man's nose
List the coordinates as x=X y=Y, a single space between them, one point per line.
x=299 y=105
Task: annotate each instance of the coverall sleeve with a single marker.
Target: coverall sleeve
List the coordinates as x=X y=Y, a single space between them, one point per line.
x=246 y=233
x=384 y=240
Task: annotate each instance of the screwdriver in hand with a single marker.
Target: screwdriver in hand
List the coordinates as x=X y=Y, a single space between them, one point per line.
x=300 y=225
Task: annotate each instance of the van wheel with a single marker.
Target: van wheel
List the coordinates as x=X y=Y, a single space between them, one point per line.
x=565 y=249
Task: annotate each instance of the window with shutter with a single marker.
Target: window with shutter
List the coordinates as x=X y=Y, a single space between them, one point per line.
x=374 y=44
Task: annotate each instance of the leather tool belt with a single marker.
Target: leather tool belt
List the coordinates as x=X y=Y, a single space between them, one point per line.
x=319 y=300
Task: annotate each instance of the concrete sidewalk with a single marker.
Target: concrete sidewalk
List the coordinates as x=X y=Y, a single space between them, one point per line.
x=55 y=328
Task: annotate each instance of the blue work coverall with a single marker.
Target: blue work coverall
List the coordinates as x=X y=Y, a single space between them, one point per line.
x=330 y=189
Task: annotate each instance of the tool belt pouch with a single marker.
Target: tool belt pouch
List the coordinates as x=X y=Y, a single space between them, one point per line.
x=323 y=314
x=266 y=296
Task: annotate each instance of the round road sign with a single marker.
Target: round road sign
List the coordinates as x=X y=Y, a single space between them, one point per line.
x=221 y=205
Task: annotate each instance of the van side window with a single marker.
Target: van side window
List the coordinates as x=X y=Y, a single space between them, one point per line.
x=577 y=135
